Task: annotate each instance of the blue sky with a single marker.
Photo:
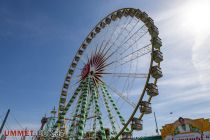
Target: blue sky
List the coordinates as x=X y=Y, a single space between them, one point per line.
x=38 y=39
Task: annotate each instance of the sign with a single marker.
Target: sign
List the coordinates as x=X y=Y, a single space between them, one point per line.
x=187 y=129
x=190 y=136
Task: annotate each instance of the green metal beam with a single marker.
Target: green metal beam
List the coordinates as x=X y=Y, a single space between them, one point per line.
x=83 y=112
x=97 y=111
x=72 y=127
x=109 y=113
x=104 y=89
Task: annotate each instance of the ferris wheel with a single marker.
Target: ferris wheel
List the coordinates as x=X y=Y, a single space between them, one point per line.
x=112 y=78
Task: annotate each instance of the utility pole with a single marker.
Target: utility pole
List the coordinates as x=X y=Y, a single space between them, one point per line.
x=157 y=130
x=4 y=121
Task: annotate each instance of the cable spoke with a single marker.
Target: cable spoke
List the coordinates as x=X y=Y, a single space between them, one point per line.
x=121 y=96
x=134 y=42
x=103 y=87
x=109 y=113
x=84 y=107
x=97 y=110
x=131 y=75
x=133 y=35
x=136 y=56
x=119 y=34
x=71 y=132
x=131 y=57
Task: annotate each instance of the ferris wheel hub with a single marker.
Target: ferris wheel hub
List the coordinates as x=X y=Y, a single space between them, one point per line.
x=94 y=67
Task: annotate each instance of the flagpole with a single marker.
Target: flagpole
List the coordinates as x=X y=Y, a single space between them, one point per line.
x=157 y=130
x=4 y=121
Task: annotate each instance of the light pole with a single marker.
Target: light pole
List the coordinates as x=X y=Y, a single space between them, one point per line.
x=157 y=130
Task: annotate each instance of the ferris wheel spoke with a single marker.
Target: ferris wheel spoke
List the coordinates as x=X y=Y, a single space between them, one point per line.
x=126 y=61
x=122 y=44
x=114 y=105
x=121 y=31
x=84 y=106
x=109 y=113
x=132 y=35
x=131 y=57
x=81 y=106
x=74 y=122
x=103 y=65
x=97 y=110
x=135 y=55
x=119 y=94
x=134 y=42
x=133 y=28
x=91 y=120
x=119 y=34
x=108 y=40
x=60 y=120
x=110 y=37
x=94 y=121
x=77 y=91
x=105 y=53
x=88 y=109
x=129 y=75
x=138 y=53
x=114 y=43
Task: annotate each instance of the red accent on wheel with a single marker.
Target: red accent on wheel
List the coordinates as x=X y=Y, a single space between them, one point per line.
x=85 y=71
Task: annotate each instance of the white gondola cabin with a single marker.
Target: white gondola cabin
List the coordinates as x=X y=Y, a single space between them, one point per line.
x=138 y=14
x=97 y=29
x=154 y=31
x=102 y=24
x=145 y=107
x=156 y=42
x=152 y=89
x=156 y=72
x=149 y=22
x=108 y=20
x=157 y=56
x=119 y=14
x=144 y=17
x=136 y=124
x=126 y=136
x=132 y=12
x=125 y=12
x=114 y=16
x=90 y=135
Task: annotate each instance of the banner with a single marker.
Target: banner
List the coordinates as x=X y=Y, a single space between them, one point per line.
x=190 y=136
x=187 y=129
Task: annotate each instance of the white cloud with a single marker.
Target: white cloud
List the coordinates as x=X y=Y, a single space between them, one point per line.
x=201 y=58
x=184 y=89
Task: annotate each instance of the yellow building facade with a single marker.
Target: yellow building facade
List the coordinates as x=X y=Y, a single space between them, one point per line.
x=187 y=129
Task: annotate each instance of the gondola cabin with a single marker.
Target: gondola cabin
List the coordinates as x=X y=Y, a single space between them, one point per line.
x=156 y=72
x=152 y=89
x=145 y=107
x=126 y=136
x=89 y=135
x=136 y=124
x=157 y=56
x=156 y=42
